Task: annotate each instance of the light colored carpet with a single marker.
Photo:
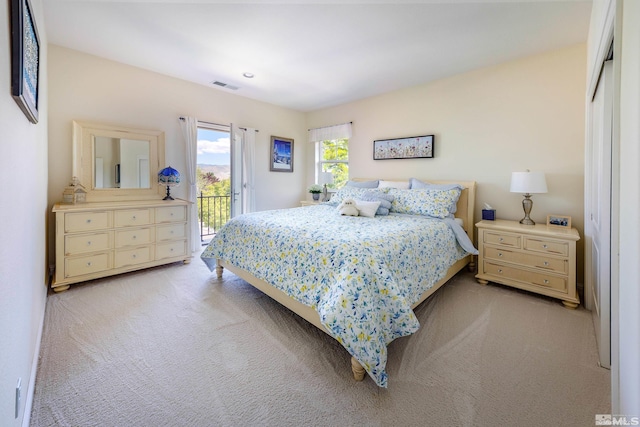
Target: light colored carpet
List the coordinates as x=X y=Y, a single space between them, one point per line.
x=174 y=346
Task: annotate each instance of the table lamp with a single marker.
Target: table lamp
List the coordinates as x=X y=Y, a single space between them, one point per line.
x=169 y=177
x=325 y=179
x=528 y=183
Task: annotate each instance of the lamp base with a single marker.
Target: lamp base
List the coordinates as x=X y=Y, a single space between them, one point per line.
x=168 y=196
x=527 y=204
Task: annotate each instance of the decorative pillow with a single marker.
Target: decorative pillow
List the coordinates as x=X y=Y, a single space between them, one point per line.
x=378 y=196
x=350 y=193
x=426 y=201
x=362 y=184
x=394 y=184
x=367 y=209
x=415 y=183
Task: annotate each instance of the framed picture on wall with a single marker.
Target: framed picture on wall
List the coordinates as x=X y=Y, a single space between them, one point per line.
x=281 y=158
x=25 y=58
x=414 y=147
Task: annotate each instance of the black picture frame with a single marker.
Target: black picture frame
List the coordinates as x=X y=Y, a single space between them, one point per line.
x=281 y=154
x=25 y=58
x=413 y=147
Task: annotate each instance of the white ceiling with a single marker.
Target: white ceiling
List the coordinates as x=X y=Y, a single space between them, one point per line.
x=310 y=55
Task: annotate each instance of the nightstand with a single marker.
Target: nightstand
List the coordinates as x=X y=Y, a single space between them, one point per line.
x=536 y=258
x=308 y=202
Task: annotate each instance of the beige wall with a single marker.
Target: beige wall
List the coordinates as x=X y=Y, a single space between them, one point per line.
x=23 y=215
x=525 y=114
x=85 y=87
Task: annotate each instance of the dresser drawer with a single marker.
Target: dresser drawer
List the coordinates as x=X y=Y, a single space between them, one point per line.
x=171 y=250
x=127 y=218
x=171 y=214
x=525 y=276
x=133 y=256
x=132 y=237
x=529 y=260
x=85 y=221
x=82 y=243
x=546 y=246
x=171 y=232
x=502 y=239
x=79 y=266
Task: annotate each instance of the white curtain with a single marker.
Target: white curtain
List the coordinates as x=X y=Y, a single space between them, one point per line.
x=248 y=170
x=330 y=132
x=189 y=126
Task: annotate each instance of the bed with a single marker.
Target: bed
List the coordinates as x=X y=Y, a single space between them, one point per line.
x=356 y=278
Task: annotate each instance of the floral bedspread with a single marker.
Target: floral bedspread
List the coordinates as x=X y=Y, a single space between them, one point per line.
x=361 y=274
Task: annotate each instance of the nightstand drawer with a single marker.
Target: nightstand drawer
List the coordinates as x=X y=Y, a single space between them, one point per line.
x=502 y=239
x=525 y=276
x=537 y=261
x=546 y=246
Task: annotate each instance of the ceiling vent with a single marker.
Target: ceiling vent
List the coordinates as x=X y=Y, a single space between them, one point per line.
x=225 y=85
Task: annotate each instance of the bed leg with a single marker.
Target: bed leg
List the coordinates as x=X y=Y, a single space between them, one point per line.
x=219 y=270
x=357 y=369
x=471 y=267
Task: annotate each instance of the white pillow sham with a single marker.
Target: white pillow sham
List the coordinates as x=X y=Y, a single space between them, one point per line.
x=367 y=209
x=402 y=185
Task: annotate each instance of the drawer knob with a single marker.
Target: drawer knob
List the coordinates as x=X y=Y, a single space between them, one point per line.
x=135 y=237
x=544 y=246
x=546 y=263
x=88 y=221
x=89 y=243
x=546 y=281
x=171 y=249
x=134 y=255
x=89 y=264
x=500 y=239
x=171 y=232
x=500 y=271
x=134 y=217
x=499 y=254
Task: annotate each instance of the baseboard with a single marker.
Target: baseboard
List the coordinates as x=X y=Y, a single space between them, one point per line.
x=26 y=416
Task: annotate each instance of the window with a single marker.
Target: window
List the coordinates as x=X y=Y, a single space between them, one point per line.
x=333 y=156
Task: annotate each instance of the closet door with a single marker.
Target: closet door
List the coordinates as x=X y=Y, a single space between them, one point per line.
x=598 y=177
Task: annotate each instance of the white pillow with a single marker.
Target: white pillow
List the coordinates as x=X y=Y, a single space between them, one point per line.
x=367 y=209
x=402 y=185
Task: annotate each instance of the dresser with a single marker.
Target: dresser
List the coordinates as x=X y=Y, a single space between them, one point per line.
x=100 y=239
x=537 y=258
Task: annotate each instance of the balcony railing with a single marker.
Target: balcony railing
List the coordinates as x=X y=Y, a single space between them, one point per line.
x=213 y=213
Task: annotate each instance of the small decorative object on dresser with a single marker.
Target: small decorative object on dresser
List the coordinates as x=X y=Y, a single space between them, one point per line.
x=169 y=177
x=74 y=192
x=562 y=221
x=535 y=258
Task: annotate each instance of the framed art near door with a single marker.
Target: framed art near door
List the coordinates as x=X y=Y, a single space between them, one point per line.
x=25 y=58
x=281 y=159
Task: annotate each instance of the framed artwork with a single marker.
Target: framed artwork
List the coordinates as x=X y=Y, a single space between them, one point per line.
x=562 y=221
x=281 y=154
x=414 y=147
x=25 y=58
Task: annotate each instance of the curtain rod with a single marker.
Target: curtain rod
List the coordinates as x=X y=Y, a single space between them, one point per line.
x=322 y=127
x=215 y=124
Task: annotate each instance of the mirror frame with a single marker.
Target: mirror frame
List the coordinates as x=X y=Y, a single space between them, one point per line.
x=84 y=134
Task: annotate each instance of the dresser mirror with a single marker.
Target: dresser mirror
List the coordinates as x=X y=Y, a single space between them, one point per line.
x=117 y=163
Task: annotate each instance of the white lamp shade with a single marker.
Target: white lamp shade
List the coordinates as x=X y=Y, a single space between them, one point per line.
x=528 y=182
x=325 y=178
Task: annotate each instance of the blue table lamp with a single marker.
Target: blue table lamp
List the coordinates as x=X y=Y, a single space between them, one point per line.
x=169 y=177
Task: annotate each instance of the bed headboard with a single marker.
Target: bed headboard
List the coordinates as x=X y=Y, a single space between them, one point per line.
x=466 y=202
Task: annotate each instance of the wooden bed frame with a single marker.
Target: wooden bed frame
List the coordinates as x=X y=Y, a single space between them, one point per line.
x=464 y=211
